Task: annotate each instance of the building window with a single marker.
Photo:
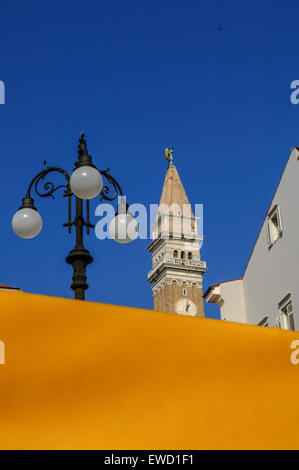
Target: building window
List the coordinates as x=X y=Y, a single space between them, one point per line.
x=285 y=314
x=263 y=322
x=183 y=255
x=287 y=317
x=189 y=255
x=274 y=227
x=185 y=292
x=175 y=253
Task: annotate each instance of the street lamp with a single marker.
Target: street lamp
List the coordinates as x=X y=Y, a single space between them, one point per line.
x=85 y=183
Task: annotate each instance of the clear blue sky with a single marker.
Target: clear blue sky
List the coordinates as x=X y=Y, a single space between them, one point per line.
x=138 y=76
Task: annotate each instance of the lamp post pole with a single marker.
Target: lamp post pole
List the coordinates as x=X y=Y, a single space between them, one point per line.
x=27 y=223
x=79 y=257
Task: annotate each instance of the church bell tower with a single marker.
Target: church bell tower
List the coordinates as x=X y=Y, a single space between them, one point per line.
x=177 y=270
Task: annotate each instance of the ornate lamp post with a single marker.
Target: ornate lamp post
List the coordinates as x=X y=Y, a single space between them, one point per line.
x=85 y=183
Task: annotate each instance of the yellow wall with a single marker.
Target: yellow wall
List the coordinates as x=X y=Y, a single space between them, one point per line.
x=86 y=375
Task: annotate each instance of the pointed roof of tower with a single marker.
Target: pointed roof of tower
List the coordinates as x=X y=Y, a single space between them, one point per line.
x=173 y=191
x=175 y=217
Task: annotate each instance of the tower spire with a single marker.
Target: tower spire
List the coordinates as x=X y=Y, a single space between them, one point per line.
x=177 y=269
x=173 y=192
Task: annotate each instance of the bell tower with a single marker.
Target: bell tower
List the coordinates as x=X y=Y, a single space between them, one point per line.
x=177 y=270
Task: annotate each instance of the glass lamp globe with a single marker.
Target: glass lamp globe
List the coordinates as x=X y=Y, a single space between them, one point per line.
x=27 y=223
x=86 y=182
x=123 y=228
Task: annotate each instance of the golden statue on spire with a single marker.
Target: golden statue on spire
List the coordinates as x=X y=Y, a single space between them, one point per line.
x=168 y=154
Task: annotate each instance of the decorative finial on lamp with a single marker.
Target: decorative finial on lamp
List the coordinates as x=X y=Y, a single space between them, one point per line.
x=82 y=147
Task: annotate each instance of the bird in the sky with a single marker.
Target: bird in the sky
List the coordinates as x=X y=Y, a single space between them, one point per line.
x=219 y=27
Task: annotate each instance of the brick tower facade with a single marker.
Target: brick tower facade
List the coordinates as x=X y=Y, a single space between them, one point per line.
x=177 y=270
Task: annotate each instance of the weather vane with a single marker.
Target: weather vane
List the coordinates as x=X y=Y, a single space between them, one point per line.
x=168 y=154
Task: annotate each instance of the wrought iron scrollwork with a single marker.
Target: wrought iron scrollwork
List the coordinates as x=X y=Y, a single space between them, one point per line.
x=49 y=188
x=107 y=189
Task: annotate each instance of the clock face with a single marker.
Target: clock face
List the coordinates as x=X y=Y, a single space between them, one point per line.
x=186 y=307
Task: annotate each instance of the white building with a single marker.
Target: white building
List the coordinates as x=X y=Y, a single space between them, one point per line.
x=268 y=292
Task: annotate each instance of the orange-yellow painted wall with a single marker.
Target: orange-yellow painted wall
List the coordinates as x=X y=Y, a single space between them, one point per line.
x=81 y=375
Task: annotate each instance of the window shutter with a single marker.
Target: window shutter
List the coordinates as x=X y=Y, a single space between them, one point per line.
x=269 y=242
x=279 y=220
x=277 y=319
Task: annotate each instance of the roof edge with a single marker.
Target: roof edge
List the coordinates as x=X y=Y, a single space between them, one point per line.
x=3 y=286
x=277 y=186
x=219 y=283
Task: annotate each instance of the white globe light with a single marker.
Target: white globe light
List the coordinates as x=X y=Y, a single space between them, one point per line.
x=123 y=228
x=86 y=182
x=27 y=223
